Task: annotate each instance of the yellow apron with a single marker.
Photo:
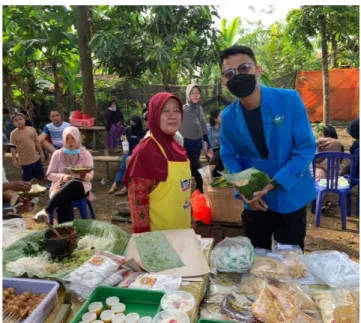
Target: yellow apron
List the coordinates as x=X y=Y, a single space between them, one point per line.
x=170 y=202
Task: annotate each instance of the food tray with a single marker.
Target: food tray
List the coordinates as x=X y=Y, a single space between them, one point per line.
x=36 y=286
x=81 y=170
x=211 y=321
x=82 y=122
x=143 y=302
x=34 y=194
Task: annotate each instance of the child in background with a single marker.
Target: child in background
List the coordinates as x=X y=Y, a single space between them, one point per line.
x=27 y=151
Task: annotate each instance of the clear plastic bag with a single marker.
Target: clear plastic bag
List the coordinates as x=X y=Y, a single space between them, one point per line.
x=304 y=302
x=206 y=174
x=252 y=285
x=275 y=306
x=269 y=268
x=149 y=281
x=224 y=283
x=93 y=272
x=233 y=255
x=337 y=305
x=333 y=268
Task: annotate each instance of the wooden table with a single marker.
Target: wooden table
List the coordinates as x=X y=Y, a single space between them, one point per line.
x=94 y=129
x=197 y=289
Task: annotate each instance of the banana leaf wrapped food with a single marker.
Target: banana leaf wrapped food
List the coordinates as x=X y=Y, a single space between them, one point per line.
x=248 y=181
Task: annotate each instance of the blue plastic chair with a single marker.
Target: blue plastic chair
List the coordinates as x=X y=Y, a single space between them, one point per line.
x=82 y=205
x=333 y=170
x=354 y=180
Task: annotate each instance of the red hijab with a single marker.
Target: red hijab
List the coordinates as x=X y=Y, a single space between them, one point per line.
x=147 y=159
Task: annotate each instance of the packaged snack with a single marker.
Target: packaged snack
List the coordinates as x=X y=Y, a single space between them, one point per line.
x=252 y=285
x=304 y=302
x=333 y=268
x=343 y=302
x=233 y=255
x=151 y=281
x=275 y=306
x=223 y=283
x=269 y=268
x=178 y=300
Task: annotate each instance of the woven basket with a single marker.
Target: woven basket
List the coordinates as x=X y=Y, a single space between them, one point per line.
x=224 y=207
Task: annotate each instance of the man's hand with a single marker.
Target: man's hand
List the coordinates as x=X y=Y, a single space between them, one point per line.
x=20 y=186
x=210 y=153
x=16 y=162
x=257 y=202
x=42 y=157
x=259 y=205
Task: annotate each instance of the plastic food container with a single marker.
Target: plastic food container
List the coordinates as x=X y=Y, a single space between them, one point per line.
x=36 y=286
x=173 y=316
x=178 y=300
x=142 y=302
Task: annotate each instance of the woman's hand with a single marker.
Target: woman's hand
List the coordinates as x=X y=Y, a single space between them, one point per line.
x=210 y=153
x=123 y=138
x=67 y=178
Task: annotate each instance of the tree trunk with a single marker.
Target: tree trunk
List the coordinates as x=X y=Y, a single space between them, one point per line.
x=82 y=17
x=333 y=52
x=8 y=102
x=57 y=88
x=325 y=79
x=165 y=77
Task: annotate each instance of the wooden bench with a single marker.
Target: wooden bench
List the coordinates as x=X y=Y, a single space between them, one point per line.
x=107 y=160
x=95 y=130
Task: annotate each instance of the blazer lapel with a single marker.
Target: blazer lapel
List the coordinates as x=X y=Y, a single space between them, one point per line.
x=266 y=112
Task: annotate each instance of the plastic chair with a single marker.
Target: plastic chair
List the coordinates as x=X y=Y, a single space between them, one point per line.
x=354 y=180
x=333 y=170
x=82 y=205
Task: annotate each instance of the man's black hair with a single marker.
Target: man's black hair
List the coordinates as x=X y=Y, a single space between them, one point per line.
x=330 y=132
x=236 y=49
x=54 y=110
x=6 y=111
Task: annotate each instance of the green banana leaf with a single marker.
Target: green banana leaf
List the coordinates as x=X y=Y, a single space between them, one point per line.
x=220 y=182
x=248 y=181
x=33 y=244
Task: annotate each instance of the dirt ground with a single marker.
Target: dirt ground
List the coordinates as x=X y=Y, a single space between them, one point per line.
x=328 y=236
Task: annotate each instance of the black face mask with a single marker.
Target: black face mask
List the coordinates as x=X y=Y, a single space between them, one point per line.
x=242 y=85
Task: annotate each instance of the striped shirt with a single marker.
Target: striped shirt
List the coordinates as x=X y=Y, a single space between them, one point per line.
x=56 y=133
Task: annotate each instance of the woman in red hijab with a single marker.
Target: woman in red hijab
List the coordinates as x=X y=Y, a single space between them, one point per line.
x=158 y=176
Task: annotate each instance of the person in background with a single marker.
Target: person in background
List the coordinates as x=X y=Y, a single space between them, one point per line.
x=114 y=125
x=8 y=125
x=133 y=134
x=54 y=130
x=28 y=122
x=28 y=154
x=158 y=176
x=268 y=129
x=354 y=131
x=10 y=189
x=327 y=142
x=65 y=187
x=214 y=131
x=194 y=131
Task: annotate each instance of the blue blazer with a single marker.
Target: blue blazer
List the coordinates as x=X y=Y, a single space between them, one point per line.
x=290 y=142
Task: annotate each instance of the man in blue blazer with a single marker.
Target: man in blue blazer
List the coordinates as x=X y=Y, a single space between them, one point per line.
x=268 y=129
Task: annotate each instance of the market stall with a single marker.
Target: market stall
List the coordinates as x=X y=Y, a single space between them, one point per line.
x=110 y=273
x=104 y=255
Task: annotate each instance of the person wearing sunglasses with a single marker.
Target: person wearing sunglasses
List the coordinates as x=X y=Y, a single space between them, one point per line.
x=268 y=129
